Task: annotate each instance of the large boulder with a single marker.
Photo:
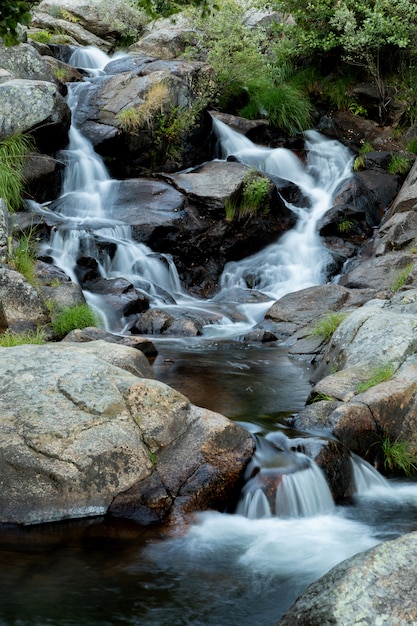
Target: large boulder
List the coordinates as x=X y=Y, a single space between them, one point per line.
x=378 y=335
x=80 y=433
x=107 y=23
x=34 y=106
x=22 y=305
x=370 y=588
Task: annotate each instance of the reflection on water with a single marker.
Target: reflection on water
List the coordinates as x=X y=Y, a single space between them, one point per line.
x=255 y=384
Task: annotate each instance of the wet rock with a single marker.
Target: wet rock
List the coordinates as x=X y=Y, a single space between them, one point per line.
x=95 y=334
x=119 y=298
x=376 y=586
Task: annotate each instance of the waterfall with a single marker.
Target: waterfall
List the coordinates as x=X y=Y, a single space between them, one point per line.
x=299 y=259
x=283 y=483
x=365 y=477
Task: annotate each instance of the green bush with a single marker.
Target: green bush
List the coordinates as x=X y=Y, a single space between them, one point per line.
x=70 y=318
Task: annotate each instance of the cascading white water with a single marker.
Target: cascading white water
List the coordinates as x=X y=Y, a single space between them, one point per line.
x=299 y=259
x=84 y=221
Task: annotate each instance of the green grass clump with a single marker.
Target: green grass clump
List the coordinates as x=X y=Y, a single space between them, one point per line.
x=399 y=455
x=378 y=375
x=402 y=277
x=70 y=318
x=326 y=325
x=345 y=225
x=13 y=153
x=412 y=145
x=284 y=105
x=10 y=339
x=399 y=164
x=23 y=257
x=255 y=193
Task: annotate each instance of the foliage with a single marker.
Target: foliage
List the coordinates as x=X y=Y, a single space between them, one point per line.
x=13 y=153
x=326 y=325
x=359 y=163
x=399 y=164
x=254 y=195
x=284 y=105
x=378 y=375
x=402 y=277
x=13 y=13
x=135 y=118
x=357 y=109
x=230 y=209
x=399 y=455
x=71 y=318
x=22 y=257
x=412 y=145
x=359 y=33
x=10 y=339
x=322 y=397
x=345 y=225
x=365 y=148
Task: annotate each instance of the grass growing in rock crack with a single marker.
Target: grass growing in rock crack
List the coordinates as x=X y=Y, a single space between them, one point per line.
x=379 y=374
x=13 y=153
x=401 y=279
x=399 y=455
x=326 y=325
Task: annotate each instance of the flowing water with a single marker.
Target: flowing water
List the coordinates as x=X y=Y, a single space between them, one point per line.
x=241 y=567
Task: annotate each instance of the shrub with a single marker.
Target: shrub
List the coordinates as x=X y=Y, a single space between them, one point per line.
x=378 y=375
x=326 y=325
x=13 y=153
x=70 y=318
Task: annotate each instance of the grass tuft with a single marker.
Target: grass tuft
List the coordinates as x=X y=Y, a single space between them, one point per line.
x=399 y=455
x=10 y=339
x=13 y=153
x=327 y=324
x=70 y=318
x=378 y=375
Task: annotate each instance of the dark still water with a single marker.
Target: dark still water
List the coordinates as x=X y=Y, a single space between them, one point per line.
x=225 y=570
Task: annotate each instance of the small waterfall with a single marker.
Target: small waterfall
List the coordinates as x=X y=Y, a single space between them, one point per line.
x=284 y=484
x=365 y=477
x=299 y=259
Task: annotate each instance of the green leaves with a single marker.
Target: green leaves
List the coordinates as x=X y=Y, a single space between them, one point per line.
x=12 y=13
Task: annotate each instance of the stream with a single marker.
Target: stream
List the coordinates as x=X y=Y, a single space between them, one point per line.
x=240 y=567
